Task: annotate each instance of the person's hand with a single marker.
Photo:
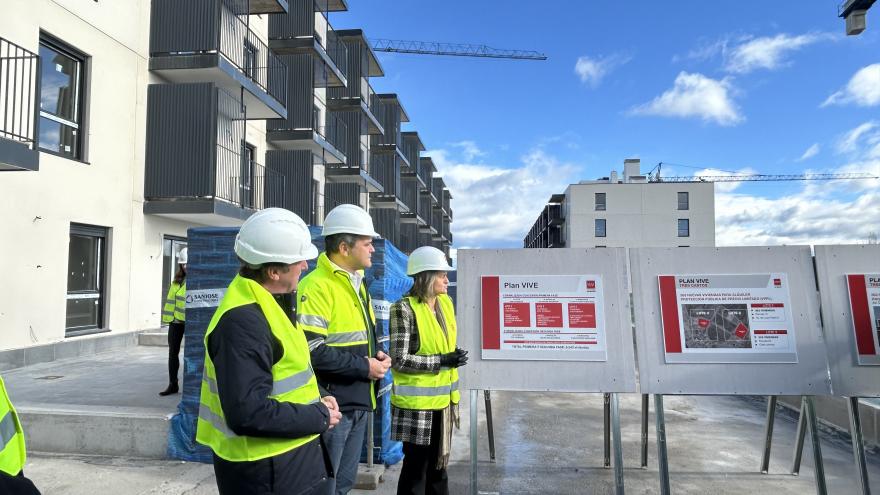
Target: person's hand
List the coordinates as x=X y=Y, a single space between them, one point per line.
x=333 y=408
x=454 y=359
x=378 y=368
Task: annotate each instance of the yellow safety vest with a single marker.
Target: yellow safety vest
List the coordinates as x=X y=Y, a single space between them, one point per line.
x=175 y=303
x=327 y=305
x=429 y=391
x=12 y=449
x=294 y=380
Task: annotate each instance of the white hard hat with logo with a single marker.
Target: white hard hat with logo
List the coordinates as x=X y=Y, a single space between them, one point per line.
x=182 y=256
x=349 y=219
x=274 y=235
x=427 y=258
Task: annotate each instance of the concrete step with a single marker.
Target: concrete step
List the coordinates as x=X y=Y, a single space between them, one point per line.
x=156 y=338
x=125 y=432
x=368 y=478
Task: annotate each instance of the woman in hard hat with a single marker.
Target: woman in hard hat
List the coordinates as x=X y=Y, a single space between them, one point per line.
x=424 y=396
x=174 y=315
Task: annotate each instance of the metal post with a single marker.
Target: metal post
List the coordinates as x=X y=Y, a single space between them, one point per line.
x=855 y=431
x=491 y=429
x=618 y=448
x=817 y=448
x=799 y=441
x=662 y=461
x=607 y=417
x=644 y=463
x=370 y=441
x=474 y=398
x=768 y=433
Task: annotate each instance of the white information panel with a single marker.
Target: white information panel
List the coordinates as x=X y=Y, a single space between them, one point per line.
x=723 y=321
x=543 y=317
x=545 y=320
x=849 y=285
x=728 y=318
x=864 y=305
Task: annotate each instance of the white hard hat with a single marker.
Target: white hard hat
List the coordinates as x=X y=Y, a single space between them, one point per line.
x=274 y=235
x=348 y=219
x=181 y=256
x=427 y=258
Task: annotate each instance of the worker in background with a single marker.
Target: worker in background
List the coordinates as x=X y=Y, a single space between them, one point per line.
x=334 y=311
x=261 y=411
x=174 y=314
x=425 y=396
x=12 y=450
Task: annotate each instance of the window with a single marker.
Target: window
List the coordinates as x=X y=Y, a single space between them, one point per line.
x=600 y=227
x=684 y=227
x=683 y=201
x=61 y=98
x=316 y=201
x=246 y=182
x=600 y=201
x=250 y=59
x=86 y=274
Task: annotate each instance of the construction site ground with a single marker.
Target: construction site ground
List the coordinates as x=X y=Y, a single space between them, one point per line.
x=547 y=443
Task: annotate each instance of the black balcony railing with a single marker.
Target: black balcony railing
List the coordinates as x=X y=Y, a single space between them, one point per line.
x=199 y=27
x=19 y=85
x=334 y=131
x=337 y=50
x=246 y=183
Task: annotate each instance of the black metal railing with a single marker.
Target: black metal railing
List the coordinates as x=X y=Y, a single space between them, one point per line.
x=246 y=183
x=385 y=172
x=336 y=50
x=334 y=131
x=409 y=195
x=212 y=26
x=19 y=86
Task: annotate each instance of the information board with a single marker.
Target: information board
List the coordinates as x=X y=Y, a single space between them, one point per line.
x=566 y=327
x=864 y=304
x=543 y=317
x=849 y=316
x=728 y=318
x=698 y=311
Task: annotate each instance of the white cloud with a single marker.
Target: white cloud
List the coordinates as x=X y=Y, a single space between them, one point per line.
x=695 y=96
x=767 y=52
x=863 y=89
x=592 y=70
x=469 y=149
x=863 y=140
x=810 y=152
x=495 y=206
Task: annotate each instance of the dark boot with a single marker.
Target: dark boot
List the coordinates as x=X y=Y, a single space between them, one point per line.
x=172 y=389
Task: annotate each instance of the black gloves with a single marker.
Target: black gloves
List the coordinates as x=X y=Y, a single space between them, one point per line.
x=454 y=359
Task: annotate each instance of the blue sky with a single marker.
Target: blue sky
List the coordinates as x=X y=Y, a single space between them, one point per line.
x=744 y=86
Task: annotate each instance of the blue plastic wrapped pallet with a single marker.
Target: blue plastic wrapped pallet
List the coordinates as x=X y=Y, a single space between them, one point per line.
x=212 y=266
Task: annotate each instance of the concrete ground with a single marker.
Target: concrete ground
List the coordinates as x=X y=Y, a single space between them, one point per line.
x=546 y=442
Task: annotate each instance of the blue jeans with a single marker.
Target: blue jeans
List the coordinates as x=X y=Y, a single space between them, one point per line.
x=344 y=444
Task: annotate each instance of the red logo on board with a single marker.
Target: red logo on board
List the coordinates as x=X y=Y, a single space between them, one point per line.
x=591 y=284
x=777 y=282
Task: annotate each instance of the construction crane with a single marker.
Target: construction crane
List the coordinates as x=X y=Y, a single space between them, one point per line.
x=452 y=49
x=654 y=176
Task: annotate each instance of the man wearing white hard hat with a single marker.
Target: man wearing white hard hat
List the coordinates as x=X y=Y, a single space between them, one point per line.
x=334 y=310
x=425 y=396
x=261 y=411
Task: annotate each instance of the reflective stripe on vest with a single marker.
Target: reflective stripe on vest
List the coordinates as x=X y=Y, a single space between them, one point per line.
x=12 y=448
x=293 y=380
x=429 y=391
x=175 y=303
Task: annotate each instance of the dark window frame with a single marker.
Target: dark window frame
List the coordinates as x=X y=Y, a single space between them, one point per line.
x=686 y=230
x=603 y=205
x=103 y=235
x=82 y=124
x=687 y=201
x=604 y=223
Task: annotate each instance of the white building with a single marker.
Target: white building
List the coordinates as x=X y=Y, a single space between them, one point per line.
x=627 y=210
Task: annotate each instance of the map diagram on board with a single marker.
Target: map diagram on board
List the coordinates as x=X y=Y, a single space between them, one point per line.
x=717 y=326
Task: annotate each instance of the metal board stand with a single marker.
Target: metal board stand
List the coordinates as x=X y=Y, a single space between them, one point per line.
x=662 y=461
x=807 y=420
x=644 y=460
x=855 y=431
x=475 y=395
x=618 y=448
x=768 y=433
x=606 y=415
x=489 y=425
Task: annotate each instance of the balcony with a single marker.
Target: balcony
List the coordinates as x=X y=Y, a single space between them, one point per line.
x=198 y=167
x=207 y=41
x=325 y=137
x=366 y=103
x=301 y=194
x=267 y=7
x=19 y=108
x=304 y=30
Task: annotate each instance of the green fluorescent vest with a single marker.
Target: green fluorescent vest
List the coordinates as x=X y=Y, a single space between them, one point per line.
x=293 y=379
x=429 y=391
x=175 y=303
x=12 y=449
x=328 y=306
